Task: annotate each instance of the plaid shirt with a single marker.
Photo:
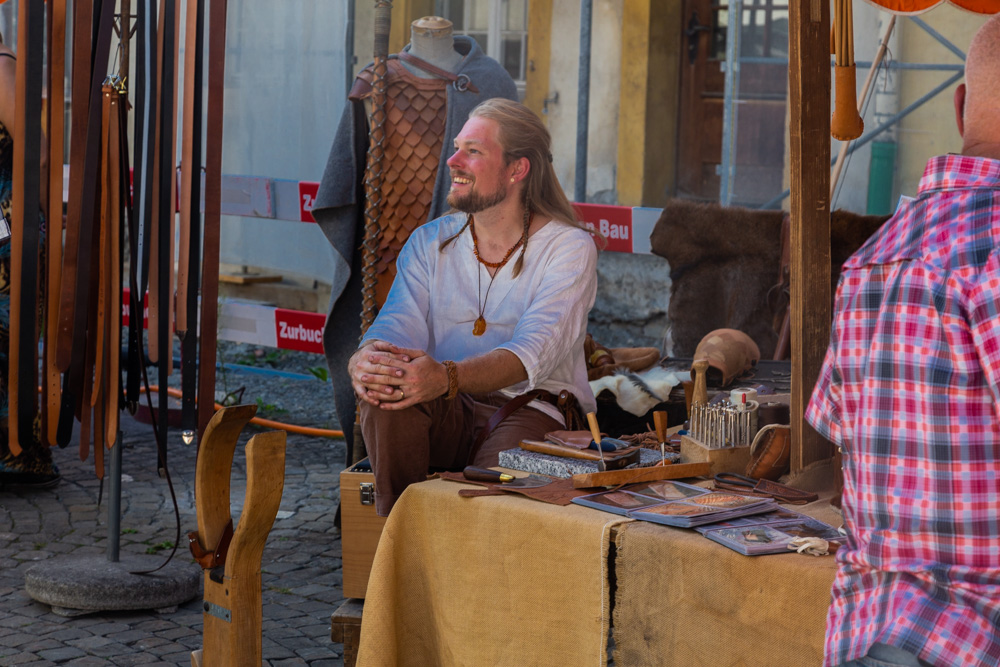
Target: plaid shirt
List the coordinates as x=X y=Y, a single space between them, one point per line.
x=910 y=391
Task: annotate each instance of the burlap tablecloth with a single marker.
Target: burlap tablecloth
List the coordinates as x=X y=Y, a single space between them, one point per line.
x=685 y=600
x=487 y=581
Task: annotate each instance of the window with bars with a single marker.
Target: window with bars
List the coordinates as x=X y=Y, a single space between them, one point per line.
x=763 y=32
x=500 y=27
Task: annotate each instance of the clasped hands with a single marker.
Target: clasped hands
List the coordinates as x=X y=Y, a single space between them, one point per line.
x=395 y=378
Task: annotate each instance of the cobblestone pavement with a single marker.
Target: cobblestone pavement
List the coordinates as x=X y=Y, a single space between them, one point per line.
x=301 y=562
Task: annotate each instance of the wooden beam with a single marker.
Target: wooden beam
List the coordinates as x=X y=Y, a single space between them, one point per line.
x=405 y=12
x=647 y=118
x=809 y=147
x=536 y=88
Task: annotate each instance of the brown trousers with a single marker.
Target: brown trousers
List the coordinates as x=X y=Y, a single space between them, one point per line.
x=404 y=445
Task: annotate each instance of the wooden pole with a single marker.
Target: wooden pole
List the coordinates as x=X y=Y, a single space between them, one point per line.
x=809 y=146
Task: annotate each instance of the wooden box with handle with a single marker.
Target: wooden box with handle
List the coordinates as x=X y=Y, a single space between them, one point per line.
x=360 y=527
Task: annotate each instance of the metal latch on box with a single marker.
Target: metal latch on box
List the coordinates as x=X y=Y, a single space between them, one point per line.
x=367 y=493
x=213 y=609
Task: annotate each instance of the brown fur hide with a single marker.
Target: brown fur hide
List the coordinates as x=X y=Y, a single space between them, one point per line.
x=726 y=262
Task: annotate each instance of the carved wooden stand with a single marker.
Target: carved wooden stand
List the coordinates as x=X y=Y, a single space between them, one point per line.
x=232 y=619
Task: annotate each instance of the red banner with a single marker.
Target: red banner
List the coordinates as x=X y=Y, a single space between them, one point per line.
x=298 y=330
x=307 y=196
x=615 y=222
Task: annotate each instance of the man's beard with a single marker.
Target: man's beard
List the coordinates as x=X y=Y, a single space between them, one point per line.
x=474 y=202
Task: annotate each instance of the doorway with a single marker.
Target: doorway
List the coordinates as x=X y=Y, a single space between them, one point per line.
x=760 y=102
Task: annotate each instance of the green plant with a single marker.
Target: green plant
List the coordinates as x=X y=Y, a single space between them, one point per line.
x=268 y=407
x=320 y=372
x=167 y=544
x=129 y=531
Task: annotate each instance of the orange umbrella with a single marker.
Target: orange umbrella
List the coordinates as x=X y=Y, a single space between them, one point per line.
x=919 y=6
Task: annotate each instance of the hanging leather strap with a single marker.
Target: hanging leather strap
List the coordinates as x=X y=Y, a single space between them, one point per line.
x=88 y=209
x=166 y=207
x=461 y=82
x=188 y=159
x=80 y=135
x=145 y=102
x=114 y=313
x=26 y=241
x=213 y=210
x=54 y=216
x=156 y=181
x=104 y=245
x=190 y=242
x=84 y=411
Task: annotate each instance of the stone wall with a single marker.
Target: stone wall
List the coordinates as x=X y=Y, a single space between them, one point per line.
x=632 y=296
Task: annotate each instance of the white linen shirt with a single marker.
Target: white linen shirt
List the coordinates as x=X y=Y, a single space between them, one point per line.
x=540 y=316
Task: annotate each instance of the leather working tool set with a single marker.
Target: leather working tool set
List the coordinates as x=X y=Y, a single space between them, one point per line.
x=81 y=290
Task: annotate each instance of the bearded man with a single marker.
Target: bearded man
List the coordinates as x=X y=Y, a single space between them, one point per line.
x=480 y=341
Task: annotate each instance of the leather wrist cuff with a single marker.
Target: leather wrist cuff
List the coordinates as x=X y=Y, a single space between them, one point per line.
x=452 y=379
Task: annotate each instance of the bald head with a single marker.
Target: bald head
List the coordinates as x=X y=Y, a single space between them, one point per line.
x=978 y=100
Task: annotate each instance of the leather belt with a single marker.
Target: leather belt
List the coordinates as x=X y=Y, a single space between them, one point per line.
x=26 y=241
x=213 y=211
x=54 y=216
x=190 y=238
x=76 y=327
x=566 y=403
x=460 y=82
x=166 y=207
x=145 y=102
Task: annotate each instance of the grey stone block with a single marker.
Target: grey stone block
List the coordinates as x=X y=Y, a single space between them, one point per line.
x=96 y=584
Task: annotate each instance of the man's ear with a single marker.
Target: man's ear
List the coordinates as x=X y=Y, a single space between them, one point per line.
x=521 y=167
x=960 y=108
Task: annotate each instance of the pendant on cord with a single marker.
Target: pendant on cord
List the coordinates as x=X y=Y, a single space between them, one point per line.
x=479 y=328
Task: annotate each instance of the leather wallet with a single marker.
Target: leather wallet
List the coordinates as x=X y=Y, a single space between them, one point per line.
x=732 y=482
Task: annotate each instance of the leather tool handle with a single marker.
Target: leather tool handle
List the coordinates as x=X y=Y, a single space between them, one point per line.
x=700 y=368
x=660 y=421
x=565 y=451
x=594 y=430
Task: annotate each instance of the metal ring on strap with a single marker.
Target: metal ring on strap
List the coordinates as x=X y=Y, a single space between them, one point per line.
x=461 y=83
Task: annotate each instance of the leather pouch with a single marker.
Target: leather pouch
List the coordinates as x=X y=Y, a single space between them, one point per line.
x=578 y=439
x=770 y=452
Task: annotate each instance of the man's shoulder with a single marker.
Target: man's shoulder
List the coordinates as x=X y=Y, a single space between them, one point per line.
x=566 y=235
x=438 y=229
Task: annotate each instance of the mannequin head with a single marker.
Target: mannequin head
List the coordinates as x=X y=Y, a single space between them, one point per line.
x=431 y=40
x=435 y=27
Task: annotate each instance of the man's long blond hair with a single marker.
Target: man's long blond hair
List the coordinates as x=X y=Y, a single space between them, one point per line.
x=523 y=135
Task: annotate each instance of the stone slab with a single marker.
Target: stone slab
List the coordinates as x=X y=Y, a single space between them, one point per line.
x=84 y=584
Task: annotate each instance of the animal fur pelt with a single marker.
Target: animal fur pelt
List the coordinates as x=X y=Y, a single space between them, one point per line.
x=723 y=263
x=637 y=393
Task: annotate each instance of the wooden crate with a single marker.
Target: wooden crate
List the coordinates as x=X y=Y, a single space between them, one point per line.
x=725 y=459
x=345 y=628
x=360 y=529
